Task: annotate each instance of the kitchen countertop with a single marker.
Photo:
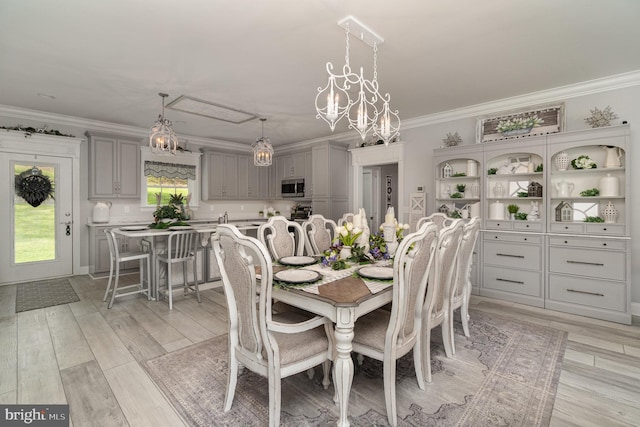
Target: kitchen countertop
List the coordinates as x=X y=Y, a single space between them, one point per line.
x=121 y=223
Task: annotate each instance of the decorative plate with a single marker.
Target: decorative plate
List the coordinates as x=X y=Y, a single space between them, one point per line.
x=134 y=228
x=380 y=273
x=297 y=276
x=297 y=260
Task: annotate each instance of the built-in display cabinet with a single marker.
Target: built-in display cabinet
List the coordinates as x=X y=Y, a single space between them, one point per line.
x=556 y=231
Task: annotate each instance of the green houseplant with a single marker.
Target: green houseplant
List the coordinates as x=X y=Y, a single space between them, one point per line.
x=513 y=210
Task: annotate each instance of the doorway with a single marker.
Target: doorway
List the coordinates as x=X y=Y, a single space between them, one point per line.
x=371 y=196
x=38 y=243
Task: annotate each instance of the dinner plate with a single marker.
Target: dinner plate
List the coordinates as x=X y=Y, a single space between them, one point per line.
x=134 y=228
x=382 y=273
x=179 y=227
x=297 y=276
x=297 y=260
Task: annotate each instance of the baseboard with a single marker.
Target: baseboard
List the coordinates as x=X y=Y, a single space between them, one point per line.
x=635 y=308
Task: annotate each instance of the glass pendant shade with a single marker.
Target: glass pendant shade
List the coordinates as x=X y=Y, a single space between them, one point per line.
x=262 y=150
x=162 y=138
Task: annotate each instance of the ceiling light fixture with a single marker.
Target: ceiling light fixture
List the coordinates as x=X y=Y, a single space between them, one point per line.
x=370 y=112
x=162 y=138
x=262 y=149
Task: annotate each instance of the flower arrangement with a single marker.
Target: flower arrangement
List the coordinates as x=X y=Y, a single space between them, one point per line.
x=583 y=162
x=518 y=123
x=348 y=234
x=331 y=258
x=400 y=227
x=378 y=247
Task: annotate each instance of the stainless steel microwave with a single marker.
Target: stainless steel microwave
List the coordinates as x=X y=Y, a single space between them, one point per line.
x=293 y=187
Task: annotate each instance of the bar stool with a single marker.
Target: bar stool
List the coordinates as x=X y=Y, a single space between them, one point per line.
x=182 y=248
x=118 y=257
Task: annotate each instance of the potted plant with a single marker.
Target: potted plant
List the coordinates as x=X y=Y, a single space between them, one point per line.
x=521 y=216
x=461 y=188
x=513 y=210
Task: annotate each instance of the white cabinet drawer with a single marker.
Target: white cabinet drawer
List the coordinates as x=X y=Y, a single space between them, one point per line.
x=527 y=226
x=511 y=237
x=515 y=281
x=588 y=262
x=513 y=255
x=605 y=229
x=567 y=227
x=498 y=225
x=588 y=292
x=588 y=243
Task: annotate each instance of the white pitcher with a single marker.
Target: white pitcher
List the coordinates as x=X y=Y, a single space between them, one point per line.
x=612 y=156
x=564 y=188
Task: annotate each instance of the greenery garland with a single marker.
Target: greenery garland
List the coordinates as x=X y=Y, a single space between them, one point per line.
x=28 y=130
x=33 y=186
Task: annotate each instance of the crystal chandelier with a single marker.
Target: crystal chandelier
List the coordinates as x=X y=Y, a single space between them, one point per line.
x=262 y=149
x=162 y=138
x=369 y=113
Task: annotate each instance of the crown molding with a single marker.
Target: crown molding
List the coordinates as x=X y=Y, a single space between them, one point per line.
x=97 y=125
x=605 y=84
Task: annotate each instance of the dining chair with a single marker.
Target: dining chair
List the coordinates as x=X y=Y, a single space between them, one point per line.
x=282 y=237
x=348 y=217
x=116 y=258
x=182 y=248
x=388 y=335
x=272 y=345
x=435 y=311
x=461 y=291
x=438 y=218
x=319 y=233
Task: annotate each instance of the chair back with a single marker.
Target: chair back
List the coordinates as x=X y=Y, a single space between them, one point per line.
x=114 y=251
x=411 y=270
x=319 y=232
x=182 y=245
x=238 y=256
x=348 y=217
x=465 y=255
x=436 y=302
x=438 y=218
x=282 y=237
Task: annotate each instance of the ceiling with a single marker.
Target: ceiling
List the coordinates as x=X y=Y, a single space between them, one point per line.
x=107 y=60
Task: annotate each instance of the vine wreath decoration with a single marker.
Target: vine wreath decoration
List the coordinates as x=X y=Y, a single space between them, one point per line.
x=33 y=186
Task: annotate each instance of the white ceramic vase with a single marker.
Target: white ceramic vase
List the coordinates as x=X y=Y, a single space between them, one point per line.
x=345 y=252
x=610 y=213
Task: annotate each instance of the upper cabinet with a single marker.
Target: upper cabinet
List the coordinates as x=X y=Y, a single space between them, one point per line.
x=220 y=176
x=114 y=166
x=589 y=182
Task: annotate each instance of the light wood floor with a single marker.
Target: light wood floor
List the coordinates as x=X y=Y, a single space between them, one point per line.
x=88 y=356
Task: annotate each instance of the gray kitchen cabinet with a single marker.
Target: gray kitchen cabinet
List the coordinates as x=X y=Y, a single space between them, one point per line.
x=243 y=177
x=329 y=180
x=114 y=167
x=220 y=176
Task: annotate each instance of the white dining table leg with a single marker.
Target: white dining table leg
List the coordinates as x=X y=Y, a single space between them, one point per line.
x=343 y=365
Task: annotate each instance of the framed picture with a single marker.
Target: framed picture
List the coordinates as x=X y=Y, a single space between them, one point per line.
x=507 y=126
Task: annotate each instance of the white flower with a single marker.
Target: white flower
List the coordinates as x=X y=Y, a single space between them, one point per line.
x=405 y=226
x=339 y=229
x=344 y=232
x=349 y=226
x=381 y=228
x=357 y=230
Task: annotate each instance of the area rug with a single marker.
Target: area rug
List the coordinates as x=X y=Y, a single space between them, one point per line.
x=505 y=374
x=46 y=293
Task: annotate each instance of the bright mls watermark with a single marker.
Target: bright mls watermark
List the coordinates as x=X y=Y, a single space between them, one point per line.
x=34 y=415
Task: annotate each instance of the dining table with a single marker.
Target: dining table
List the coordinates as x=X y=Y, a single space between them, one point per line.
x=342 y=296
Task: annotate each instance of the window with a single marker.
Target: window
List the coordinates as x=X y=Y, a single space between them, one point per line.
x=167 y=174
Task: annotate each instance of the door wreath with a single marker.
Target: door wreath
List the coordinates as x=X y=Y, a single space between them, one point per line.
x=33 y=186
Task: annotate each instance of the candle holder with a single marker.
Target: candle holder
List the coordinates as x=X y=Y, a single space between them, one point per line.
x=390 y=238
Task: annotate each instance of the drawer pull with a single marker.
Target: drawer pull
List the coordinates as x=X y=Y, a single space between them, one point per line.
x=599 y=264
x=585 y=292
x=510 y=281
x=512 y=256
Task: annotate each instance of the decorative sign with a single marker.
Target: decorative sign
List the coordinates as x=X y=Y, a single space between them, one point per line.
x=389 y=190
x=551 y=120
